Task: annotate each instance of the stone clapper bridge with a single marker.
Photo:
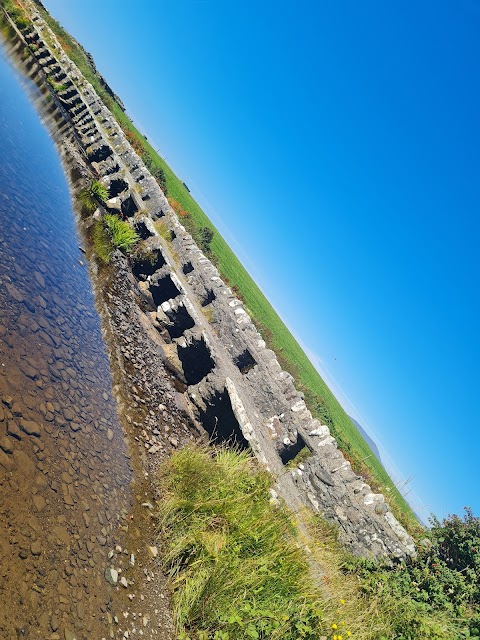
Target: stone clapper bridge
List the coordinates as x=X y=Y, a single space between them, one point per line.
x=234 y=386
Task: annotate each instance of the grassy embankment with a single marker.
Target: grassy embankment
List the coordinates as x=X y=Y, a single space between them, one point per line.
x=240 y=568
x=318 y=396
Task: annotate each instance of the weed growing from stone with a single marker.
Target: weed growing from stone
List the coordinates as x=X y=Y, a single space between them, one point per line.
x=122 y=235
x=56 y=86
x=96 y=193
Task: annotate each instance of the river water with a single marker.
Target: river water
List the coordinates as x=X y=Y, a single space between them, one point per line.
x=64 y=467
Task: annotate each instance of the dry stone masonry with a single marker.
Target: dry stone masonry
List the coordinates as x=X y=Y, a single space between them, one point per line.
x=234 y=384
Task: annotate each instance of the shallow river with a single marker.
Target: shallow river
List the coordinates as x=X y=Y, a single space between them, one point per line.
x=64 y=470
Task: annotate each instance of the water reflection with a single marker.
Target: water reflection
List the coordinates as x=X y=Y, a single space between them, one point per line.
x=64 y=476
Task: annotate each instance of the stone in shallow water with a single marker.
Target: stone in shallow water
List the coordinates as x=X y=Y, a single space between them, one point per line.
x=27 y=369
x=62 y=535
x=30 y=427
x=25 y=464
x=14 y=292
x=6 y=461
x=8 y=400
x=39 y=278
x=13 y=430
x=6 y=444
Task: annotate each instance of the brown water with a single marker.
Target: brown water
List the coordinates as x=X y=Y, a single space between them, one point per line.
x=64 y=471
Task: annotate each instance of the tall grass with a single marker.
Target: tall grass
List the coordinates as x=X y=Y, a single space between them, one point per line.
x=234 y=561
x=110 y=232
x=240 y=568
x=101 y=242
x=93 y=195
x=122 y=235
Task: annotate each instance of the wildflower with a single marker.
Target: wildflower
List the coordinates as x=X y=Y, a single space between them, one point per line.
x=334 y=626
x=339 y=637
x=349 y=634
x=342 y=601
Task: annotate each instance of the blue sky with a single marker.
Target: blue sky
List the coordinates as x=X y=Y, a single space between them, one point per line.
x=336 y=147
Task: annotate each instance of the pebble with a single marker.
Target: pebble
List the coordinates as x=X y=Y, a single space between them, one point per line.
x=6 y=444
x=111 y=576
x=13 y=430
x=39 y=502
x=36 y=548
x=8 y=400
x=39 y=278
x=30 y=427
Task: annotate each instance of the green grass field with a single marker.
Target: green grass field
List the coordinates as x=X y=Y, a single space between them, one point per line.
x=318 y=396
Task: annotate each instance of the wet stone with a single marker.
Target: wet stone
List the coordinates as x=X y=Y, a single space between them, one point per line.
x=6 y=461
x=30 y=427
x=6 y=444
x=27 y=369
x=39 y=278
x=13 y=430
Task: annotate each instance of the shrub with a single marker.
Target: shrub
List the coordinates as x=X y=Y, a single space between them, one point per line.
x=16 y=14
x=204 y=237
x=134 y=142
x=436 y=595
x=177 y=207
x=155 y=170
x=237 y=570
x=457 y=542
x=94 y=194
x=122 y=235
